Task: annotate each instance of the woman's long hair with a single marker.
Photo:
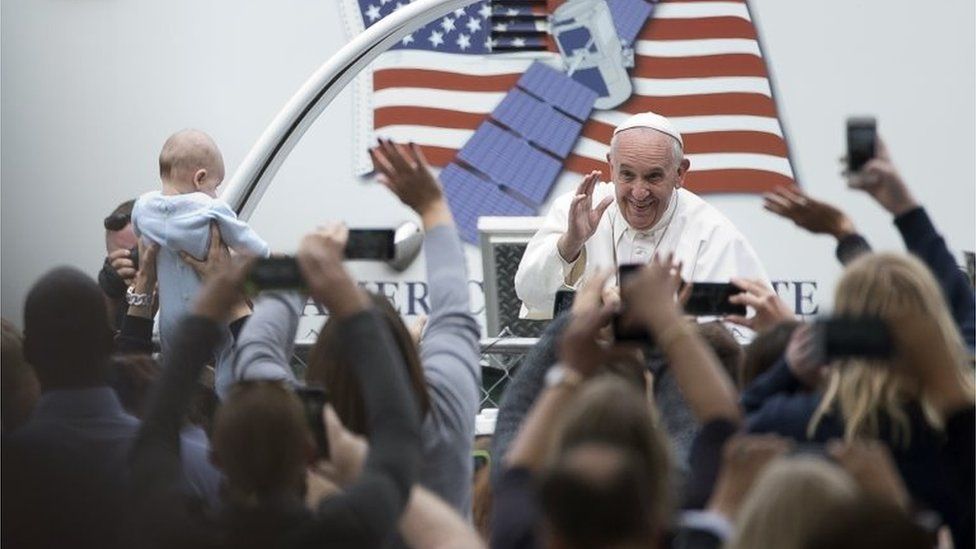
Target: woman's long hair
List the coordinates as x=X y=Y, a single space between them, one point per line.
x=893 y=287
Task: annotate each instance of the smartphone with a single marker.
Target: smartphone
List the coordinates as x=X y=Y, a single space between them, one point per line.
x=314 y=400
x=564 y=302
x=370 y=244
x=275 y=273
x=712 y=299
x=852 y=337
x=620 y=331
x=862 y=141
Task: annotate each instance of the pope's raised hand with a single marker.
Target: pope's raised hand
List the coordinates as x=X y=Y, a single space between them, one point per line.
x=583 y=218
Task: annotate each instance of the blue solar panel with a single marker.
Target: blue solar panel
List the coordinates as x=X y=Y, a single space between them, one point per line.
x=471 y=197
x=558 y=90
x=538 y=122
x=511 y=162
x=628 y=17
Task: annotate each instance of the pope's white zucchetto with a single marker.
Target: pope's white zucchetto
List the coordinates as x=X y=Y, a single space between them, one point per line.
x=653 y=121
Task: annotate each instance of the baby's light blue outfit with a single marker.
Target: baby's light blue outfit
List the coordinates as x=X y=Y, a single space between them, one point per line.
x=181 y=222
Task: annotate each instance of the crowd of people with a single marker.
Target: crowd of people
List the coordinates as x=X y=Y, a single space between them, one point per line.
x=694 y=441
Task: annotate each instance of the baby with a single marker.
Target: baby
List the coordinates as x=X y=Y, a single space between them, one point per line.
x=178 y=219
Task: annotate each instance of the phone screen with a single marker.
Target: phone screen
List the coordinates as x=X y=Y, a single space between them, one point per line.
x=314 y=400
x=620 y=331
x=275 y=273
x=564 y=302
x=370 y=244
x=861 y=142
x=853 y=337
x=712 y=299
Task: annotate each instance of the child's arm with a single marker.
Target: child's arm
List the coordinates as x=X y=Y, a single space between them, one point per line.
x=238 y=235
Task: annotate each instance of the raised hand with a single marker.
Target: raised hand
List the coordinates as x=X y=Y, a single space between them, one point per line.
x=649 y=295
x=121 y=261
x=223 y=290
x=404 y=170
x=808 y=213
x=580 y=348
x=320 y=259
x=743 y=459
x=874 y=470
x=881 y=180
x=770 y=309
x=583 y=218
x=804 y=358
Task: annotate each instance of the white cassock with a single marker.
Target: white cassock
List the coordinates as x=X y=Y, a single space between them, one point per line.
x=708 y=244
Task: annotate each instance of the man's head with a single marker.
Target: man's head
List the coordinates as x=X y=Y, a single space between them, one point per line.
x=67 y=337
x=191 y=162
x=118 y=228
x=647 y=164
x=597 y=495
x=262 y=443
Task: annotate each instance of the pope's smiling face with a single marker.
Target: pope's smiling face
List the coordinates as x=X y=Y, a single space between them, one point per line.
x=646 y=167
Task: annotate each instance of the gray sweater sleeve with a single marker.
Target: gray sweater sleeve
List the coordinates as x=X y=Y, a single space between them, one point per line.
x=266 y=343
x=449 y=350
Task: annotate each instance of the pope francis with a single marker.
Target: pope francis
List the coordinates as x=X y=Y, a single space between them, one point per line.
x=643 y=211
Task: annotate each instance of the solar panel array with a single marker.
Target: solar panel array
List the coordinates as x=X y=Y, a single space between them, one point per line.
x=629 y=17
x=509 y=165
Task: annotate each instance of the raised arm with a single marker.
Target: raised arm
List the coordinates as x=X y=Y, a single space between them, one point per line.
x=449 y=348
x=369 y=509
x=135 y=333
x=267 y=342
x=556 y=255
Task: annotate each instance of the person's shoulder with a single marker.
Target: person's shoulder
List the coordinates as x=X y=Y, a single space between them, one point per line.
x=704 y=214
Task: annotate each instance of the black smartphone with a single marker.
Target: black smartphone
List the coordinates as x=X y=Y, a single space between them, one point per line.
x=275 y=273
x=370 y=244
x=712 y=299
x=862 y=141
x=622 y=332
x=564 y=302
x=852 y=337
x=314 y=400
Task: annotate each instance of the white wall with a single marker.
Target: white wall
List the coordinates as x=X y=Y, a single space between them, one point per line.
x=91 y=89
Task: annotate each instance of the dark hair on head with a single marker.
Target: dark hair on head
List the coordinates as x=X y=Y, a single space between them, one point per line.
x=67 y=337
x=768 y=347
x=726 y=348
x=596 y=495
x=328 y=367
x=869 y=522
x=120 y=216
x=612 y=410
x=261 y=441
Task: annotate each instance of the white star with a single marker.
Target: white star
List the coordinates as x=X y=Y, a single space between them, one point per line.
x=485 y=11
x=384 y=2
x=501 y=27
x=447 y=24
x=489 y=43
x=408 y=39
x=459 y=12
x=436 y=38
x=518 y=42
x=474 y=25
x=399 y=5
x=373 y=12
x=464 y=42
x=512 y=12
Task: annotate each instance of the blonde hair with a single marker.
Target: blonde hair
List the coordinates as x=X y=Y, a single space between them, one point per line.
x=612 y=411
x=791 y=500
x=890 y=286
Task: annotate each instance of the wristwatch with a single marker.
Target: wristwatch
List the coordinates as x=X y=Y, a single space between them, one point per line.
x=560 y=376
x=137 y=300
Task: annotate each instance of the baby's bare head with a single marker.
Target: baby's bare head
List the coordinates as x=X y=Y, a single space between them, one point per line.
x=191 y=162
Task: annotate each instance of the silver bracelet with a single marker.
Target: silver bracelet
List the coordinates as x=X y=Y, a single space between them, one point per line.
x=137 y=300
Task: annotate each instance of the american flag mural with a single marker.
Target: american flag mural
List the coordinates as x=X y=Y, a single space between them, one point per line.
x=697 y=62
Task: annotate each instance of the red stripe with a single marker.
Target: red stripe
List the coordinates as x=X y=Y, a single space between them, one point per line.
x=752 y=104
x=423 y=78
x=695 y=143
x=697 y=29
x=705 y=181
x=438 y=156
x=703 y=66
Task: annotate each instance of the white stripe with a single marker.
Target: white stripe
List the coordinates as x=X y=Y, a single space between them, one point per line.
x=463 y=101
x=693 y=10
x=595 y=150
x=671 y=87
x=477 y=65
x=589 y=148
x=699 y=124
x=693 y=48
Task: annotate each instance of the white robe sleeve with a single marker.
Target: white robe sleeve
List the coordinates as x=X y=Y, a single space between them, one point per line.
x=542 y=270
x=728 y=254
